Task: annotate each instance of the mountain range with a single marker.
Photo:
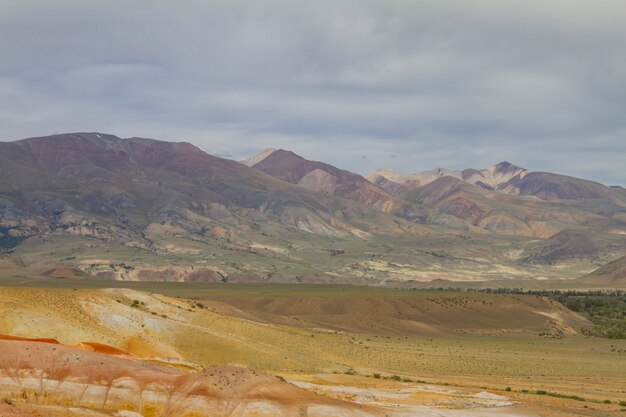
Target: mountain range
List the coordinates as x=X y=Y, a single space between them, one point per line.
x=95 y=205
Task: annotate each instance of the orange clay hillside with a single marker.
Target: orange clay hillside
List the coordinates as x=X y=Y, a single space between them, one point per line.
x=52 y=378
x=89 y=346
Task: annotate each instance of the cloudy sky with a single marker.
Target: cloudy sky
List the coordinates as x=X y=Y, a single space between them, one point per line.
x=363 y=84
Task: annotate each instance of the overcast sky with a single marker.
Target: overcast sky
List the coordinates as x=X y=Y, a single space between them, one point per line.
x=409 y=85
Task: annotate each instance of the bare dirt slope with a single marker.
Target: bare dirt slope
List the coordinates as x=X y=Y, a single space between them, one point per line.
x=416 y=314
x=613 y=275
x=49 y=374
x=325 y=178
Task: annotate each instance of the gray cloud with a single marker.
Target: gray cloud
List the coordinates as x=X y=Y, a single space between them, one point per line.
x=360 y=84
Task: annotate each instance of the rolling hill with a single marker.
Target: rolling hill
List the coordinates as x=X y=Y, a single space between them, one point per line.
x=612 y=275
x=572 y=245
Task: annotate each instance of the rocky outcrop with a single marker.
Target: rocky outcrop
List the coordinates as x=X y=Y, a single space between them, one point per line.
x=126 y=272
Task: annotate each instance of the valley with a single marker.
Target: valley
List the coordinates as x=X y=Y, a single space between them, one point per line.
x=373 y=208
x=148 y=278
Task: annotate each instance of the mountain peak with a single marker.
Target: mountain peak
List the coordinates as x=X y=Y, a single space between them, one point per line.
x=495 y=176
x=259 y=156
x=76 y=137
x=505 y=166
x=419 y=178
x=386 y=173
x=105 y=140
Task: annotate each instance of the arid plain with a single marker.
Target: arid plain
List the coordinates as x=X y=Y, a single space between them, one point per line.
x=336 y=350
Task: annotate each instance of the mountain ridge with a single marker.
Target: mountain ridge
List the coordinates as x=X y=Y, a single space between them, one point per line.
x=96 y=205
x=325 y=178
x=490 y=178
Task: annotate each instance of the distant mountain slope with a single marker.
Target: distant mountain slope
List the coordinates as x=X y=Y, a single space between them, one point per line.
x=398 y=183
x=325 y=178
x=572 y=245
x=612 y=274
x=104 y=184
x=547 y=186
x=491 y=178
x=507 y=214
x=256 y=158
x=95 y=205
x=144 y=178
x=505 y=178
x=508 y=199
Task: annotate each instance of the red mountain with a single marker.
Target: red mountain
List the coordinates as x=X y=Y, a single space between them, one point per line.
x=327 y=179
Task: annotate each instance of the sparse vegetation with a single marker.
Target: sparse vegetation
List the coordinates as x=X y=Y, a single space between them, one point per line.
x=8 y=241
x=605 y=309
x=557 y=395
